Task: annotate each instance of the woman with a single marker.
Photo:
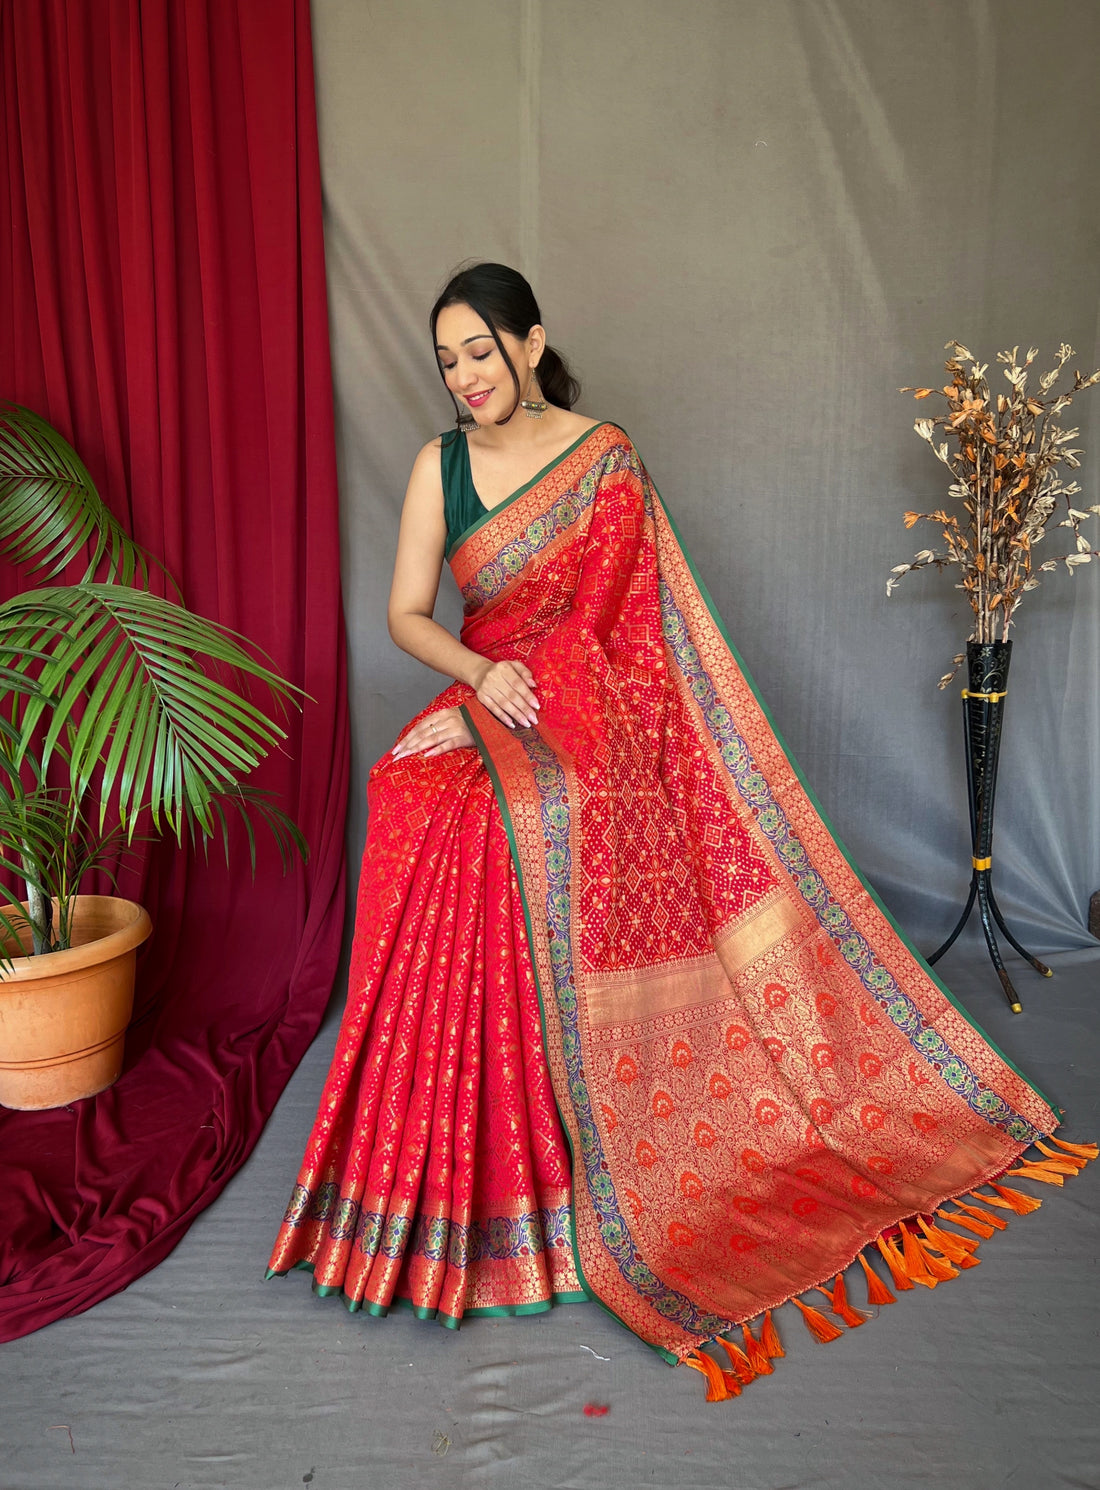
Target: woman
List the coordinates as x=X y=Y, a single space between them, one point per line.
x=623 y=1021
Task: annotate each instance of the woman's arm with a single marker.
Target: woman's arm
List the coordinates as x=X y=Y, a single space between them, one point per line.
x=506 y=688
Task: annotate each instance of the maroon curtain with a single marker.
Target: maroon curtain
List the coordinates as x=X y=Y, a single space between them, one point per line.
x=162 y=302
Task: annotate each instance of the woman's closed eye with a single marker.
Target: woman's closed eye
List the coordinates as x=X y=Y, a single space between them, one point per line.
x=477 y=356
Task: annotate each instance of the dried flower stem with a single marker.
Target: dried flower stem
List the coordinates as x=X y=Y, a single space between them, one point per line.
x=1006 y=472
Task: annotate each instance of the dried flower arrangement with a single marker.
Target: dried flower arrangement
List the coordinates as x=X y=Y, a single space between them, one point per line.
x=1006 y=469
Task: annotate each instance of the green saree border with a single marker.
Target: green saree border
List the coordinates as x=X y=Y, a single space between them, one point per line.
x=841 y=845
x=491 y=512
x=420 y=1311
x=509 y=828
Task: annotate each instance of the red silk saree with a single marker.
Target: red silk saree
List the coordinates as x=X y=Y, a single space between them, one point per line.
x=629 y=925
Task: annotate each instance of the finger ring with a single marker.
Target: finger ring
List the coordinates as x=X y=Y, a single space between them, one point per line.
x=435 y=728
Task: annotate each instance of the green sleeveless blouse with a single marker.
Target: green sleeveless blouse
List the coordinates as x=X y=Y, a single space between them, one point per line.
x=461 y=504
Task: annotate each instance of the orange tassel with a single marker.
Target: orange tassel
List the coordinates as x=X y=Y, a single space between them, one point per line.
x=1040 y=1172
x=955 y=1248
x=989 y=1217
x=1057 y=1163
x=838 y=1301
x=758 y=1356
x=902 y=1280
x=1082 y=1150
x=979 y=1228
x=720 y=1385
x=877 y=1292
x=819 y=1327
x=1014 y=1200
x=1078 y=1161
x=769 y=1338
x=967 y=1243
x=937 y=1266
x=990 y=1200
x=915 y=1261
x=941 y=1241
x=742 y=1369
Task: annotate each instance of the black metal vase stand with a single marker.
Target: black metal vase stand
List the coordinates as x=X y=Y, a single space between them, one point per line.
x=983 y=708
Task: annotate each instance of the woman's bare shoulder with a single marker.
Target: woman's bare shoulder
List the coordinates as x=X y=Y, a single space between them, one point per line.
x=429 y=457
x=426 y=477
x=581 y=424
x=584 y=424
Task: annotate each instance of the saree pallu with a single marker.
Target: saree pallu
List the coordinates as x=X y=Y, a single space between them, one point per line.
x=756 y=1075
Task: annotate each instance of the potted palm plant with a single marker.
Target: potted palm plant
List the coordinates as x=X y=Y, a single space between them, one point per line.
x=123 y=716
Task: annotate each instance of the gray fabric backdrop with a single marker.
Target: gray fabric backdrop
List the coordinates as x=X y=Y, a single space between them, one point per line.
x=748 y=223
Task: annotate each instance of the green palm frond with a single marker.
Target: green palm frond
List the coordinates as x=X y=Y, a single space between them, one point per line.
x=49 y=506
x=46 y=843
x=288 y=836
x=126 y=687
x=15 y=931
x=33 y=829
x=13 y=755
x=11 y=678
x=143 y=704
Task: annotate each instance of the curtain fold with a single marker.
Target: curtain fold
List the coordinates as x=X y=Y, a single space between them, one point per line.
x=163 y=303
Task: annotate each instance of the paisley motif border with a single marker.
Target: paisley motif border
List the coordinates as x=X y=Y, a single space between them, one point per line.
x=436 y=1238
x=493 y=577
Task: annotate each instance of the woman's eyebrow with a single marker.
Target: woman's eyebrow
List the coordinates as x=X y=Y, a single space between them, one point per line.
x=481 y=336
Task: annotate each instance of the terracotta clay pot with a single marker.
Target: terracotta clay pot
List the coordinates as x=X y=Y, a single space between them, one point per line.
x=63 y=1015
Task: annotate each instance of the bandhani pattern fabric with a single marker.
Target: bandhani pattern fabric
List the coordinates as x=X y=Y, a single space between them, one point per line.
x=757 y=1076
x=436 y=1176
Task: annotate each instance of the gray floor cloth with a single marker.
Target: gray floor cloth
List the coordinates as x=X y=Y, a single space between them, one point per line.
x=202 y=1375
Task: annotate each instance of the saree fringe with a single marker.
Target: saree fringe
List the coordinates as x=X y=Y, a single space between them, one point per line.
x=918 y=1262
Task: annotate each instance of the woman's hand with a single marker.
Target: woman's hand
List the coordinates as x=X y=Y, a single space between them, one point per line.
x=507 y=689
x=443 y=731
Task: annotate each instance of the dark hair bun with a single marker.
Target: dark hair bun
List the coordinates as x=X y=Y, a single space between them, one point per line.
x=558 y=384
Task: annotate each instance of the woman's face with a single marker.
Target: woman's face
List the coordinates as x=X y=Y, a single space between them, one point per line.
x=473 y=368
